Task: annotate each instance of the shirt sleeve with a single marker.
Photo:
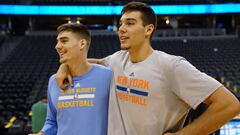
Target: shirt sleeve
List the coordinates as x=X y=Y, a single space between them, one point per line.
x=107 y=60
x=191 y=85
x=50 y=125
x=111 y=59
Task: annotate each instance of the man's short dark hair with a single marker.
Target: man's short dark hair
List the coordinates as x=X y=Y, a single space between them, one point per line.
x=147 y=14
x=79 y=29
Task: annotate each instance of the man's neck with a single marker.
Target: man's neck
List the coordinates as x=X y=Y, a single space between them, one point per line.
x=141 y=53
x=79 y=68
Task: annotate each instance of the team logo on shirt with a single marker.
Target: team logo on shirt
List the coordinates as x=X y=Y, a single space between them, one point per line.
x=78 y=97
x=132 y=89
x=77 y=85
x=132 y=74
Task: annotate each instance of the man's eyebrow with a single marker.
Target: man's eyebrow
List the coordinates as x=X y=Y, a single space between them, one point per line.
x=131 y=19
x=128 y=19
x=61 y=38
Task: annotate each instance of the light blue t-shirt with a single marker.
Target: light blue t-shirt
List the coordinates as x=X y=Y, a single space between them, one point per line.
x=81 y=110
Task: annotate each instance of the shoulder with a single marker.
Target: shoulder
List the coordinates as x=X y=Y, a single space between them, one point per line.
x=120 y=54
x=102 y=72
x=117 y=57
x=168 y=59
x=102 y=69
x=52 y=83
x=167 y=62
x=166 y=56
x=52 y=78
x=35 y=105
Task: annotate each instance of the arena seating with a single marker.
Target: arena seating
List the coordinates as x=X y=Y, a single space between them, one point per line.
x=24 y=73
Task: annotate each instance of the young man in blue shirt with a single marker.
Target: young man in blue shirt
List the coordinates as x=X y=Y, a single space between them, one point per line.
x=83 y=108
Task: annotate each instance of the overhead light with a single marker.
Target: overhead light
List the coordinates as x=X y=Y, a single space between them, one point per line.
x=78 y=22
x=69 y=21
x=167 y=21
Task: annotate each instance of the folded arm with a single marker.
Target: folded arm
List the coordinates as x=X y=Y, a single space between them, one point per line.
x=222 y=107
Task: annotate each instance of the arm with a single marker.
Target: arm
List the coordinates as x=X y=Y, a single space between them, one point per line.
x=222 y=107
x=63 y=76
x=50 y=125
x=96 y=61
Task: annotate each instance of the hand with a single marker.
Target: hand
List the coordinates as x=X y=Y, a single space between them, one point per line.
x=63 y=76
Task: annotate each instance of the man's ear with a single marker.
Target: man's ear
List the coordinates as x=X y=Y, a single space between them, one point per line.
x=82 y=43
x=149 y=29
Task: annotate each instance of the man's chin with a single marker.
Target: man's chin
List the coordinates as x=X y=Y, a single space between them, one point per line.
x=125 y=47
x=62 y=61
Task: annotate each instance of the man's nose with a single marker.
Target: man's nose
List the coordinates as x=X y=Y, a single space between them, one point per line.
x=58 y=46
x=122 y=29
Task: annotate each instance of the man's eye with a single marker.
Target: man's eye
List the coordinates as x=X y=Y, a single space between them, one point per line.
x=130 y=23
